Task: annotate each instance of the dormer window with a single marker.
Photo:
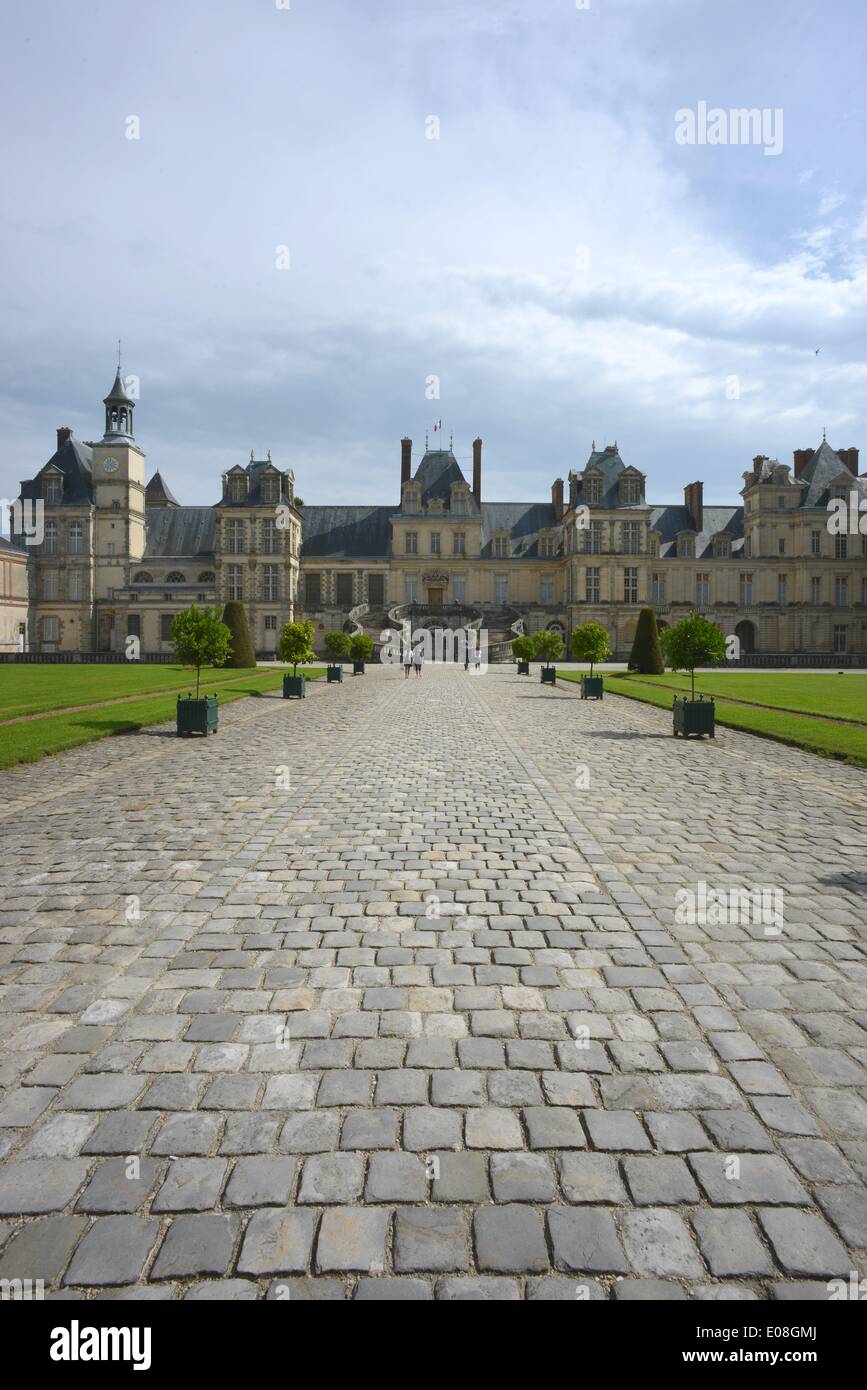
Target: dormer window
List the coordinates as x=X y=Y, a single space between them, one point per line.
x=686 y=546
x=593 y=491
x=236 y=488
x=270 y=488
x=547 y=545
x=53 y=489
x=722 y=547
x=630 y=491
x=501 y=547
x=411 y=497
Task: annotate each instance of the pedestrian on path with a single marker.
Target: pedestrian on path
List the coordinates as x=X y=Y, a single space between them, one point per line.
x=407 y=662
x=466 y=654
x=478 y=658
x=418 y=659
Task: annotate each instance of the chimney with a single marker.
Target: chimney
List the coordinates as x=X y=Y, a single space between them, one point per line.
x=802 y=458
x=405 y=461
x=477 y=471
x=63 y=434
x=693 y=499
x=850 y=458
x=557 y=498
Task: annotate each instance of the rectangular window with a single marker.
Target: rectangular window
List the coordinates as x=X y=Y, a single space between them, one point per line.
x=270 y=583
x=49 y=540
x=501 y=547
x=166 y=620
x=270 y=539
x=434 y=542
x=459 y=543
x=73 y=585
x=411 y=543
x=344 y=591
x=546 y=588
x=815 y=542
x=702 y=590
x=270 y=488
x=50 y=629
x=815 y=589
x=631 y=538
x=593 y=538
x=781 y=503
x=133 y=624
x=376 y=589
x=841 y=591
x=49 y=584
x=781 y=546
x=76 y=538
x=841 y=547
x=53 y=489
x=593 y=584
x=235 y=537
x=459 y=588
x=501 y=589
x=657 y=590
x=839 y=638
x=746 y=590
x=410 y=588
x=782 y=590
x=313 y=590
x=630 y=585
x=235 y=576
x=270 y=622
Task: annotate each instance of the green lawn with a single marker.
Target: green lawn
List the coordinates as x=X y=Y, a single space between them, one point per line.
x=27 y=742
x=32 y=689
x=842 y=697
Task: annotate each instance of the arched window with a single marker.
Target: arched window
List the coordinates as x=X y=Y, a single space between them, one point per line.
x=143 y=578
x=176 y=578
x=206 y=577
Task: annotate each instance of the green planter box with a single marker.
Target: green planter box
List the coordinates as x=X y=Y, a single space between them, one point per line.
x=694 y=716
x=523 y=668
x=294 y=687
x=198 y=716
x=358 y=668
x=335 y=673
x=549 y=675
x=591 y=688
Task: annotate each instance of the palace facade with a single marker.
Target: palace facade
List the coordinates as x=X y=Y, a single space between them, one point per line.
x=119 y=555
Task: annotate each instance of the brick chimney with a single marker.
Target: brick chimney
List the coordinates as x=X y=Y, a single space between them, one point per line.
x=850 y=458
x=63 y=434
x=405 y=461
x=802 y=458
x=693 y=500
x=557 y=498
x=477 y=471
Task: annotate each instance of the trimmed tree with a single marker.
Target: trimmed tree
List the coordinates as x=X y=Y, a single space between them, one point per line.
x=235 y=618
x=590 y=643
x=646 y=654
x=548 y=646
x=200 y=638
x=295 y=645
x=360 y=647
x=523 y=648
x=337 y=645
x=693 y=642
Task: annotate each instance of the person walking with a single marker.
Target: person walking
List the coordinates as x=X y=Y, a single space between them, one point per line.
x=407 y=661
x=418 y=657
x=478 y=658
x=466 y=653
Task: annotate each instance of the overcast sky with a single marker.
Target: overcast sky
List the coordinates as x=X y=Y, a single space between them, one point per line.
x=563 y=265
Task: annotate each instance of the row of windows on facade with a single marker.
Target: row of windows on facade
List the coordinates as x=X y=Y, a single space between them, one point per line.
x=703 y=589
x=233 y=537
x=237 y=488
x=53 y=586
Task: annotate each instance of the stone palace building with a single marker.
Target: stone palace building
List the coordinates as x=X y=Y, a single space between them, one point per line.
x=119 y=555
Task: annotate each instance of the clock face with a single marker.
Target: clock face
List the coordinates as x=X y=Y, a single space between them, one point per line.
x=110 y=465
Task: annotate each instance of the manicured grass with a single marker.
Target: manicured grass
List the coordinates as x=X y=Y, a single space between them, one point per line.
x=821 y=693
x=32 y=689
x=27 y=742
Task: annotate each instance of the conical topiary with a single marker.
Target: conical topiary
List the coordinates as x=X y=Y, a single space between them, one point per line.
x=235 y=618
x=646 y=654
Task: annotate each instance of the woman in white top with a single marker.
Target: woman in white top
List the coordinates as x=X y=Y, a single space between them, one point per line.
x=418 y=657
x=478 y=658
x=407 y=662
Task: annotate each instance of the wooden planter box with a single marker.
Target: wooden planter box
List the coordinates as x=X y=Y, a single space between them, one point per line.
x=549 y=675
x=591 y=688
x=358 y=668
x=694 y=716
x=523 y=668
x=294 y=687
x=198 y=716
x=335 y=673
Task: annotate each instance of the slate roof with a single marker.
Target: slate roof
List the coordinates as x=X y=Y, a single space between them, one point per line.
x=118 y=394
x=182 y=532
x=668 y=521
x=822 y=472
x=610 y=465
x=437 y=471
x=159 y=494
x=522 y=520
x=254 y=470
x=74 y=461
x=9 y=549
x=345 y=531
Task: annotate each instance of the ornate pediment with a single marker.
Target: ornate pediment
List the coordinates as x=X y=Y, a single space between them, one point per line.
x=435 y=578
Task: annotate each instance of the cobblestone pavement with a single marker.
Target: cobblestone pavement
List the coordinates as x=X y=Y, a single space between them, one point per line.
x=365 y=998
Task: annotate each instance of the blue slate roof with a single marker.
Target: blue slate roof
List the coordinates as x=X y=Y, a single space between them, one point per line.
x=437 y=471
x=74 y=460
x=668 y=521
x=824 y=471
x=522 y=520
x=345 y=531
x=185 y=532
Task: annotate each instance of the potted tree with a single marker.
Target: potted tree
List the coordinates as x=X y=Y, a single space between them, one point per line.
x=295 y=646
x=590 y=643
x=548 y=647
x=646 y=654
x=693 y=642
x=337 y=647
x=199 y=638
x=241 y=652
x=361 y=650
x=523 y=650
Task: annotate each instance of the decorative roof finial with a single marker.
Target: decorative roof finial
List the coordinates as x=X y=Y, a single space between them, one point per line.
x=269 y=455
x=118 y=356
x=823 y=434
x=251 y=455
x=593 y=447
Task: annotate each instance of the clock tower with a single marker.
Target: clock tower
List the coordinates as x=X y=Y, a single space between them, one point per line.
x=118 y=466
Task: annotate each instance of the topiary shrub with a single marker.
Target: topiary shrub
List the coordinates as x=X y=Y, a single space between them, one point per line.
x=590 y=643
x=337 y=645
x=646 y=654
x=235 y=618
x=693 y=642
x=200 y=639
x=548 y=646
x=296 y=644
x=360 y=647
x=523 y=649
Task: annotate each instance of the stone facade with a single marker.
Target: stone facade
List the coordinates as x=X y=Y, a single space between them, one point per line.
x=121 y=557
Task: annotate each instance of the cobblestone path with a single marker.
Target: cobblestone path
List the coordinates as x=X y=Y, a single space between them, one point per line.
x=366 y=998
